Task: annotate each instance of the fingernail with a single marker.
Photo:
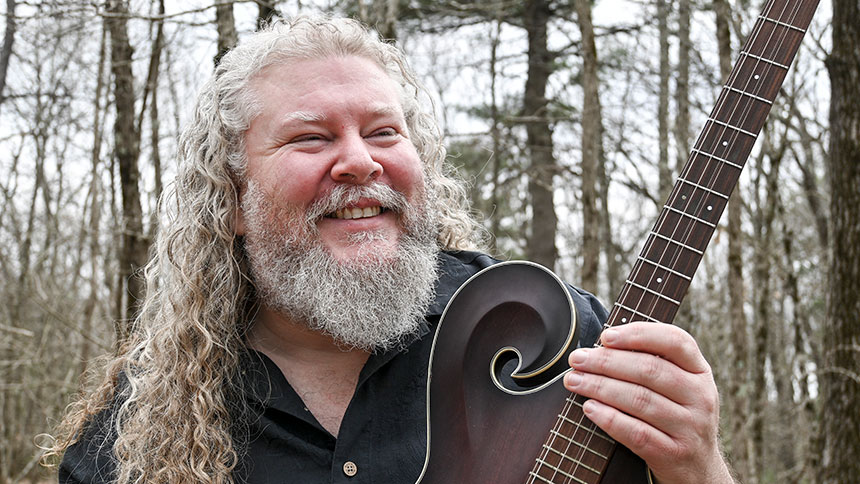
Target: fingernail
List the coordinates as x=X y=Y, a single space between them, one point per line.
x=579 y=356
x=609 y=335
x=589 y=407
x=573 y=379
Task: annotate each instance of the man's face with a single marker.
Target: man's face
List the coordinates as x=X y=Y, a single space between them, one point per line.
x=328 y=122
x=339 y=230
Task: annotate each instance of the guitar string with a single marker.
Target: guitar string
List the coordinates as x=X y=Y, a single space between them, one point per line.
x=730 y=83
x=747 y=107
x=549 y=444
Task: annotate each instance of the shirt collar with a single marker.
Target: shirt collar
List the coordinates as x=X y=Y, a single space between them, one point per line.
x=453 y=269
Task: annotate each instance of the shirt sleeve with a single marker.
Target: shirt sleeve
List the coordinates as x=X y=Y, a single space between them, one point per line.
x=91 y=459
x=590 y=315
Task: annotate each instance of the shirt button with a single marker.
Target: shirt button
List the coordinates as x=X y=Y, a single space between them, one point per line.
x=349 y=468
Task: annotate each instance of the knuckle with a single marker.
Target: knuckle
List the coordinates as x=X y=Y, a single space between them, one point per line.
x=610 y=422
x=602 y=361
x=594 y=384
x=639 y=436
x=641 y=399
x=652 y=370
x=711 y=402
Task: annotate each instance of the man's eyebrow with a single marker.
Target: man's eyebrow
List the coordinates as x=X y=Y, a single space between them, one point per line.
x=385 y=110
x=304 y=116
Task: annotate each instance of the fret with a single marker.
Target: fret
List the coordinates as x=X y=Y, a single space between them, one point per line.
x=628 y=281
x=715 y=157
x=788 y=26
x=583 y=446
x=540 y=477
x=593 y=431
x=763 y=59
x=727 y=125
x=700 y=187
x=565 y=474
x=571 y=459
x=697 y=251
x=685 y=214
x=670 y=271
x=653 y=320
x=744 y=93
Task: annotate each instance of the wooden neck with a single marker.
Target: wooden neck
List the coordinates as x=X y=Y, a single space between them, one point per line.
x=576 y=450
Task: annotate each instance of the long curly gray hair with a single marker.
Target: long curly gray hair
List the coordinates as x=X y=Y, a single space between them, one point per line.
x=177 y=408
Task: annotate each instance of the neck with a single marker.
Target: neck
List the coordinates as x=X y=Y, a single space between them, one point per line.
x=281 y=337
x=322 y=373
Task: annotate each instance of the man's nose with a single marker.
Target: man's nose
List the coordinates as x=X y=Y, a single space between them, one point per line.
x=355 y=164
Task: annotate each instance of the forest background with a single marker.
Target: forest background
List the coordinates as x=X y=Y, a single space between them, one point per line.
x=568 y=119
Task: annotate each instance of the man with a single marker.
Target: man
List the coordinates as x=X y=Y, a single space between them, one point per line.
x=311 y=243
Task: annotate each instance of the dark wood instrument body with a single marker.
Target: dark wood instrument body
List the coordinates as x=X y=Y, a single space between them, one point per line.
x=477 y=432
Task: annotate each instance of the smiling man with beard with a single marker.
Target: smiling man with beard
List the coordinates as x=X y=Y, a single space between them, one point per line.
x=306 y=252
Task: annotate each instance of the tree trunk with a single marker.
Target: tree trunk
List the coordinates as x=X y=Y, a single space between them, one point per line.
x=613 y=253
x=495 y=134
x=154 y=124
x=682 y=92
x=840 y=396
x=764 y=334
x=664 y=173
x=591 y=148
x=541 y=244
x=6 y=50
x=382 y=16
x=266 y=12
x=133 y=254
x=737 y=396
x=95 y=213
x=226 y=25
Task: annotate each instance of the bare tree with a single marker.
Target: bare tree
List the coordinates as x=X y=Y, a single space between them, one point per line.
x=682 y=82
x=541 y=244
x=592 y=132
x=738 y=382
x=381 y=15
x=266 y=11
x=663 y=171
x=127 y=151
x=6 y=49
x=227 y=36
x=841 y=373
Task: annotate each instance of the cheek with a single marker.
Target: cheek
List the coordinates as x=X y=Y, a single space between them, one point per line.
x=408 y=175
x=294 y=184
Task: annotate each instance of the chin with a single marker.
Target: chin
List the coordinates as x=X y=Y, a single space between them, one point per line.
x=362 y=252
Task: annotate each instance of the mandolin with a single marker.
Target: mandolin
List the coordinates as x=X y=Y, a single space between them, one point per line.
x=496 y=411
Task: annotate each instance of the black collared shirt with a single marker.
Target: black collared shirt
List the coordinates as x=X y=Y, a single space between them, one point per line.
x=382 y=437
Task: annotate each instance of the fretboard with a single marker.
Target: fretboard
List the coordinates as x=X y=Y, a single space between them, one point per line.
x=576 y=451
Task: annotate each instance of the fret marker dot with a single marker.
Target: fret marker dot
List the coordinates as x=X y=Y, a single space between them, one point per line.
x=756 y=77
x=623 y=320
x=725 y=143
x=683 y=197
x=659 y=280
x=710 y=208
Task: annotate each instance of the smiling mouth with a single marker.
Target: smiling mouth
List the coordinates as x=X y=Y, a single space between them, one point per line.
x=356 y=213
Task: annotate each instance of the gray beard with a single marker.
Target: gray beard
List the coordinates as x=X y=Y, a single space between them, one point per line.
x=372 y=302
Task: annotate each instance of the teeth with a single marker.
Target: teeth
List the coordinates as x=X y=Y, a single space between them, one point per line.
x=353 y=213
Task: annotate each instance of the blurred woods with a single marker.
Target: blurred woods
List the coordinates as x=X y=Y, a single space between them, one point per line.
x=569 y=119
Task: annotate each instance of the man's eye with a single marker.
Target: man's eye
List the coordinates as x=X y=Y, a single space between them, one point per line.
x=307 y=137
x=385 y=132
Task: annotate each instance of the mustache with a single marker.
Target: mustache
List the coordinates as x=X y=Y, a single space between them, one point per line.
x=342 y=196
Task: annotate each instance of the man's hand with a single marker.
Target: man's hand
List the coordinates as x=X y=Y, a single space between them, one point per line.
x=651 y=389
